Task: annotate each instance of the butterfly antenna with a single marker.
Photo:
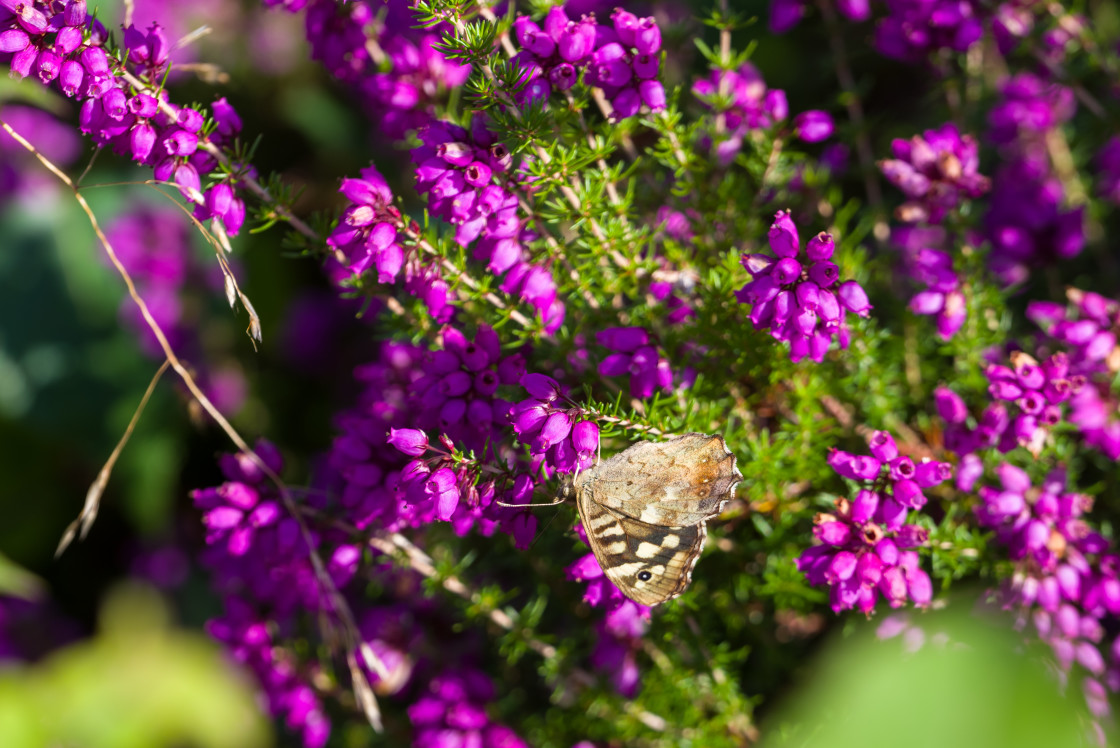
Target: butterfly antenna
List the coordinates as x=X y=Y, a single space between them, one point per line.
x=565 y=494
x=559 y=500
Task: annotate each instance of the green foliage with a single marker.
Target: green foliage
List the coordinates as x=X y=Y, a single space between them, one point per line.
x=969 y=685
x=136 y=684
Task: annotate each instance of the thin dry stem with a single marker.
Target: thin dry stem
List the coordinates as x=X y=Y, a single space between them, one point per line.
x=351 y=635
x=81 y=524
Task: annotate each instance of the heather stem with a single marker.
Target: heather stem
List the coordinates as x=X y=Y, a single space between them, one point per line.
x=855 y=113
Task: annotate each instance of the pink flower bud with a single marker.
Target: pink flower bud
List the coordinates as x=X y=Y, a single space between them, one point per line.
x=412 y=442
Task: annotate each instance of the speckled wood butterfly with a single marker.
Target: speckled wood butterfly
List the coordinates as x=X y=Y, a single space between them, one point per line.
x=645 y=511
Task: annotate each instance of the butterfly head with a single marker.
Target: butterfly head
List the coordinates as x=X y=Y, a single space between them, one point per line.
x=567 y=489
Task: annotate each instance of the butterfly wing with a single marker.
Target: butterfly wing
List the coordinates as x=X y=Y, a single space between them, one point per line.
x=680 y=482
x=648 y=563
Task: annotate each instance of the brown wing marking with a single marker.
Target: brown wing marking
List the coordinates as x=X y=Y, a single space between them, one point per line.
x=629 y=550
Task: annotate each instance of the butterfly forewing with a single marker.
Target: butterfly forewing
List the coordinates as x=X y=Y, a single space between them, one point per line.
x=679 y=482
x=648 y=563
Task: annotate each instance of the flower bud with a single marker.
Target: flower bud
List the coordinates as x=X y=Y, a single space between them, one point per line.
x=854 y=299
x=625 y=339
x=824 y=273
x=13 y=40
x=813 y=126
x=647 y=36
x=541 y=387
x=585 y=437
x=652 y=94
x=70 y=77
x=820 y=247
x=412 y=442
x=863 y=506
x=783 y=236
x=882 y=446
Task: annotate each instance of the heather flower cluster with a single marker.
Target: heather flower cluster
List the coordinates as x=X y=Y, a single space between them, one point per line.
x=460 y=170
x=744 y=105
x=942 y=293
x=913 y=29
x=865 y=548
x=800 y=303
x=453 y=712
x=1037 y=391
x=936 y=171
x=1029 y=222
x=547 y=422
x=1086 y=332
x=622 y=59
x=64 y=47
x=1066 y=581
x=634 y=353
x=366 y=234
x=260 y=563
x=621 y=629
x=437 y=407
x=374 y=47
x=420 y=75
x=1028 y=399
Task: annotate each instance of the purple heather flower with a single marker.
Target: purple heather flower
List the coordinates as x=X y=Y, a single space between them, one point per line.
x=1064 y=582
x=623 y=61
x=743 y=100
x=813 y=126
x=1038 y=391
x=801 y=303
x=624 y=624
x=1029 y=106
x=785 y=14
x=1086 y=332
x=403 y=96
x=411 y=442
x=249 y=641
x=1028 y=223
x=942 y=296
x=936 y=171
x=458 y=170
x=546 y=422
x=913 y=29
x=634 y=355
x=865 y=550
x=452 y=711
x=261 y=568
x=367 y=231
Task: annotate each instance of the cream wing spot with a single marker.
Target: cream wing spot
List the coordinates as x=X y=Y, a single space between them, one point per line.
x=629 y=569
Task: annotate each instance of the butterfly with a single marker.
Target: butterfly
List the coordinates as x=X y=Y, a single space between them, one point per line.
x=646 y=509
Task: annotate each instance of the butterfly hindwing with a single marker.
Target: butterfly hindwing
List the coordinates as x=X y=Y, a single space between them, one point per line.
x=648 y=563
